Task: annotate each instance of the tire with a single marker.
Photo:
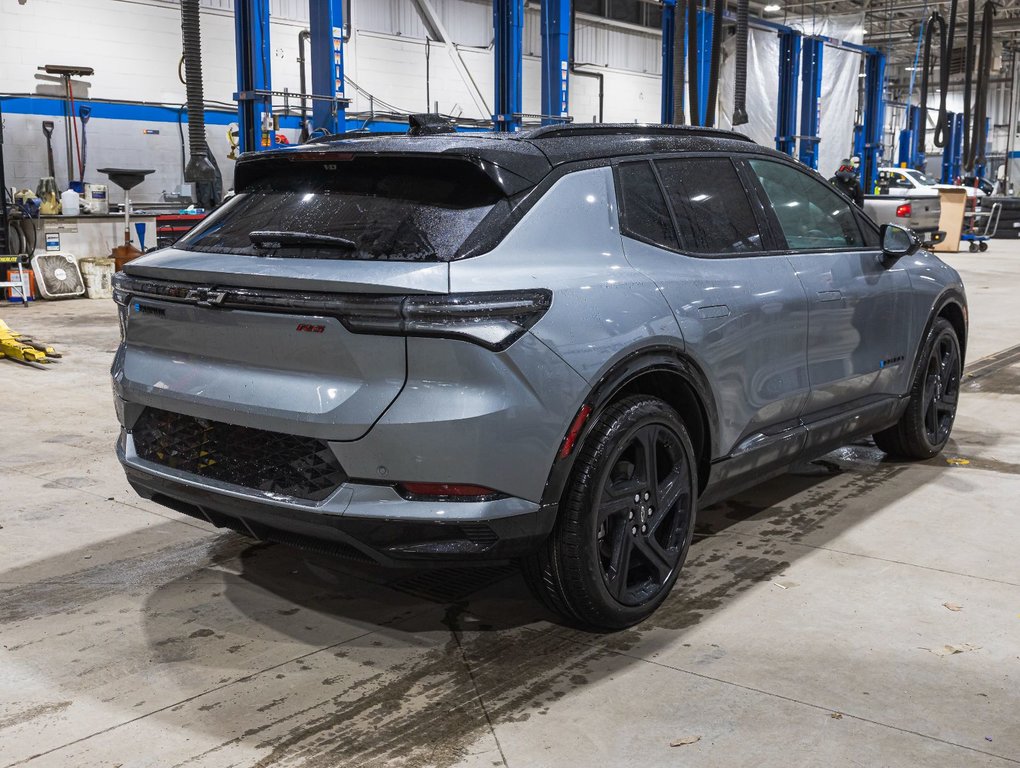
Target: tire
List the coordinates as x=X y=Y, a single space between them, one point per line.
x=925 y=426
x=983 y=246
x=614 y=553
x=973 y=247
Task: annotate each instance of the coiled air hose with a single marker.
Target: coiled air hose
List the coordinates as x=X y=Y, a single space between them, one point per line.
x=979 y=138
x=199 y=168
x=934 y=21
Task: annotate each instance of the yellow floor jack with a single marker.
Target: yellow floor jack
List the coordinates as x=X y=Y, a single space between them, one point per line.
x=22 y=349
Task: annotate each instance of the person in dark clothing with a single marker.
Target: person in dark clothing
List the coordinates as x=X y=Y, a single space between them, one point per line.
x=846 y=181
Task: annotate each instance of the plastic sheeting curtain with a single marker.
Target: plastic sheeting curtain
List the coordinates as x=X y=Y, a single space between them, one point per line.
x=839 y=86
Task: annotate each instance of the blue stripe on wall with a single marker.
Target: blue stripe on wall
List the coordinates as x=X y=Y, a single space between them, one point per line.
x=150 y=113
x=153 y=113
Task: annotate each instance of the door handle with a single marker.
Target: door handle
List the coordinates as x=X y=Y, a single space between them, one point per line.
x=829 y=295
x=716 y=310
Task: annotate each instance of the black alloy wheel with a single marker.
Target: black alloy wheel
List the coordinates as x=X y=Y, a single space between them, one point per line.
x=941 y=389
x=644 y=512
x=626 y=518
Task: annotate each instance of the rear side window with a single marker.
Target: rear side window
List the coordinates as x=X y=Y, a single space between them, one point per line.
x=361 y=209
x=645 y=215
x=710 y=204
x=812 y=216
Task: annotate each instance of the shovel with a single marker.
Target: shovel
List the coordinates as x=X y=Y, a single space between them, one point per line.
x=47 y=128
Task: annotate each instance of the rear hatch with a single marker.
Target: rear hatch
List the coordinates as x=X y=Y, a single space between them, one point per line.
x=284 y=309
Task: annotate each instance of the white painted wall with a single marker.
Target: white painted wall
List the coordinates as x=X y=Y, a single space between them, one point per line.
x=134 y=46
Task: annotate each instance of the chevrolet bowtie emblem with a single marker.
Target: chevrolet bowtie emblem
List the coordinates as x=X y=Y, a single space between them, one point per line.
x=206 y=297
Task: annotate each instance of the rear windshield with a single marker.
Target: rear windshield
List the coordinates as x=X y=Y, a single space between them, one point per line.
x=373 y=208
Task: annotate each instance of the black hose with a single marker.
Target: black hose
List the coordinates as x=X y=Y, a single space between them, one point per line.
x=572 y=63
x=713 y=69
x=935 y=20
x=678 y=61
x=694 y=102
x=740 y=67
x=980 y=136
x=968 y=75
x=199 y=168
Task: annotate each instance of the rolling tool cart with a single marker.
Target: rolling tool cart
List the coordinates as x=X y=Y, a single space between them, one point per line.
x=980 y=226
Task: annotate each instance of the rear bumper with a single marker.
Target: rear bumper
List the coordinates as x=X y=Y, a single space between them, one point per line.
x=361 y=522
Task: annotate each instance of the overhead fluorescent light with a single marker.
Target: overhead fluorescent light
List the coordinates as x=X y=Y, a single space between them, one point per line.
x=909 y=69
x=772 y=8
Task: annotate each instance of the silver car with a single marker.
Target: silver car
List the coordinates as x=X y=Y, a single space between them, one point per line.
x=551 y=346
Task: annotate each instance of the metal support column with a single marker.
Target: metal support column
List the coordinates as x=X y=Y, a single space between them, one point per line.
x=508 y=25
x=326 y=24
x=874 y=118
x=556 y=34
x=786 y=114
x=254 y=105
x=810 y=93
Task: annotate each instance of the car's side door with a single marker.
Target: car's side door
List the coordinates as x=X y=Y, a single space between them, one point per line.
x=690 y=226
x=859 y=308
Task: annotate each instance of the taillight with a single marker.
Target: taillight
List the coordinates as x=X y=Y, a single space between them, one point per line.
x=446 y=492
x=903 y=211
x=494 y=320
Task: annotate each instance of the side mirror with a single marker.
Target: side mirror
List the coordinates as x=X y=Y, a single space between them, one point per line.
x=898 y=242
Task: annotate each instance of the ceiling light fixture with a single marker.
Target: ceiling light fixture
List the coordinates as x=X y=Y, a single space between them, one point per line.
x=772 y=8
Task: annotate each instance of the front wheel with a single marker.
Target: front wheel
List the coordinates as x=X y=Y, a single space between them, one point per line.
x=925 y=426
x=626 y=518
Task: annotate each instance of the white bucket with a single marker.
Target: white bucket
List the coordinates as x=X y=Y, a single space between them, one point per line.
x=96 y=199
x=98 y=275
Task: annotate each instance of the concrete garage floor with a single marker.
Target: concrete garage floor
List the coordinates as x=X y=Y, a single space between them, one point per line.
x=815 y=623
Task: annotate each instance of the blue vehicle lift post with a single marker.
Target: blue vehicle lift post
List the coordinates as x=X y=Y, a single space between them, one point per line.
x=786 y=114
x=326 y=24
x=952 y=152
x=908 y=156
x=508 y=25
x=671 y=48
x=254 y=82
x=810 y=92
x=874 y=117
x=704 y=53
x=556 y=34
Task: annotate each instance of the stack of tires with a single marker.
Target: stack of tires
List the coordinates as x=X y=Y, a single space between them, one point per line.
x=1009 y=218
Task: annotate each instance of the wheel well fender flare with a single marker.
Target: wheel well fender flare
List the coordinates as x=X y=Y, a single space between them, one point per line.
x=951 y=305
x=642 y=371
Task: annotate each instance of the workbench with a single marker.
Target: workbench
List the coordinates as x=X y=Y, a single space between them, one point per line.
x=90 y=235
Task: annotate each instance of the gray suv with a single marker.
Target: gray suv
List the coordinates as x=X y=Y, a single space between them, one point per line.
x=551 y=347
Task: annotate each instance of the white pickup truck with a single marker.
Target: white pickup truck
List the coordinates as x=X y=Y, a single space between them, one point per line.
x=907 y=182
x=921 y=213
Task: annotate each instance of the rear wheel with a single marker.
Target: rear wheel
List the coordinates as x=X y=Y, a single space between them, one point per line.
x=626 y=518
x=925 y=426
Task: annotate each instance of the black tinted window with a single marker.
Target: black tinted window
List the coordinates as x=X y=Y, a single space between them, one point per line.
x=711 y=207
x=644 y=209
x=372 y=209
x=811 y=215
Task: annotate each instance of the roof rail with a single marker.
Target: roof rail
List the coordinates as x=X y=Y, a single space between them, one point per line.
x=625 y=129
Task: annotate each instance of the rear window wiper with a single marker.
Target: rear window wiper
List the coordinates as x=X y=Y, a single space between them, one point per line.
x=270 y=239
